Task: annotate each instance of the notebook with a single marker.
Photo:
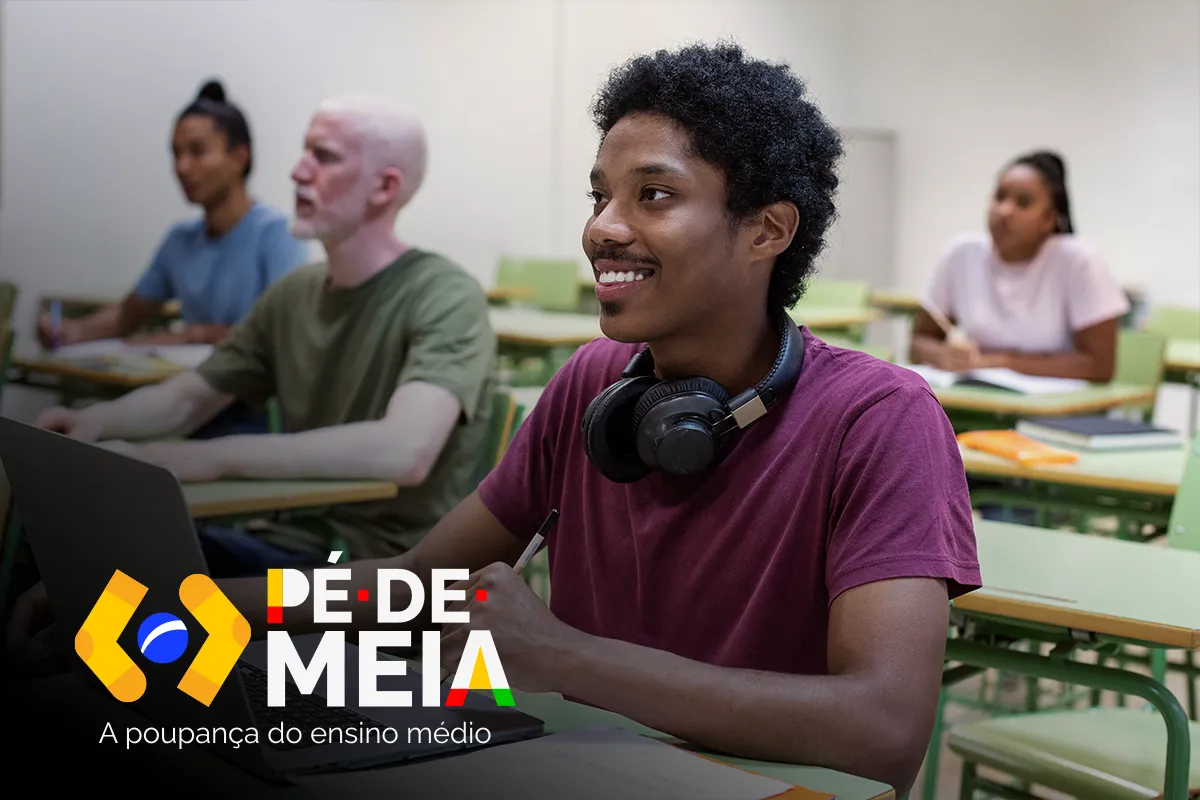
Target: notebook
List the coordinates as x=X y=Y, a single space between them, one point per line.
x=586 y=764
x=1000 y=378
x=1099 y=432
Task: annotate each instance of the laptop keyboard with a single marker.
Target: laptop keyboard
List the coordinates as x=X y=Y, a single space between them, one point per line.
x=299 y=711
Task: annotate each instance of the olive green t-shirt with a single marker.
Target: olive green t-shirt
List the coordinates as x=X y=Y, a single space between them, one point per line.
x=336 y=356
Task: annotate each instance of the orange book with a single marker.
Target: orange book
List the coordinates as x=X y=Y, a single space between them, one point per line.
x=1017 y=447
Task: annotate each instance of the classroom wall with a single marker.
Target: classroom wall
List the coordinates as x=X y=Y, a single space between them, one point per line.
x=90 y=90
x=1113 y=85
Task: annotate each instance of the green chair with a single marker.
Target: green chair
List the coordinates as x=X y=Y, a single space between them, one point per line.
x=8 y=302
x=550 y=285
x=1105 y=754
x=837 y=294
x=1140 y=363
x=500 y=431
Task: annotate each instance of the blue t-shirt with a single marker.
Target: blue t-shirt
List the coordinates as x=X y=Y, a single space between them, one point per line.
x=218 y=280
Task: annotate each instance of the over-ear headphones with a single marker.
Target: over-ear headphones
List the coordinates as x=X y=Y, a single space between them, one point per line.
x=640 y=423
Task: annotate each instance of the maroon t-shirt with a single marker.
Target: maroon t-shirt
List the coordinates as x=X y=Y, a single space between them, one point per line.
x=853 y=477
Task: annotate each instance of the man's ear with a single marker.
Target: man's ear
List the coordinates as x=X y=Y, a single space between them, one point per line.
x=774 y=227
x=388 y=188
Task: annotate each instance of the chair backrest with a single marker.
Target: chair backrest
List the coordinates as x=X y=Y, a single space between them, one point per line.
x=1175 y=322
x=500 y=431
x=1140 y=363
x=552 y=285
x=1140 y=357
x=856 y=294
x=8 y=303
x=1183 y=531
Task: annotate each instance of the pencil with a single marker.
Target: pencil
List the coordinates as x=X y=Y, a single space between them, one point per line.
x=943 y=322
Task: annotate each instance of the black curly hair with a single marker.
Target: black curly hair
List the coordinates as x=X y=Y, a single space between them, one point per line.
x=750 y=119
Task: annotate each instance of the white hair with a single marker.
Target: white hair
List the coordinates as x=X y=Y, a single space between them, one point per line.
x=392 y=136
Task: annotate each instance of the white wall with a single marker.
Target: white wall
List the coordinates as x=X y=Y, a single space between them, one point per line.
x=1113 y=85
x=90 y=90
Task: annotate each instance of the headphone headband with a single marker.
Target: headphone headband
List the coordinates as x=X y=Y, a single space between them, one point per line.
x=754 y=402
x=641 y=423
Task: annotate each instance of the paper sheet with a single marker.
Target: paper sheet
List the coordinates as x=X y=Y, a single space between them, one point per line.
x=188 y=356
x=587 y=764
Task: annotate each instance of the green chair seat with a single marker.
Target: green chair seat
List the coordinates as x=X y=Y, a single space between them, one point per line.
x=1103 y=753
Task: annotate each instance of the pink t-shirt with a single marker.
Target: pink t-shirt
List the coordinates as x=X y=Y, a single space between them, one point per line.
x=854 y=477
x=1034 y=307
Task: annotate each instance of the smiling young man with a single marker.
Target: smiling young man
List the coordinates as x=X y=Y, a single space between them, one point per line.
x=789 y=600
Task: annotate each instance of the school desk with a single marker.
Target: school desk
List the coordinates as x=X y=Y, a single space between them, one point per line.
x=895 y=301
x=121 y=372
x=63 y=701
x=975 y=407
x=1181 y=364
x=1133 y=485
x=1078 y=592
x=243 y=497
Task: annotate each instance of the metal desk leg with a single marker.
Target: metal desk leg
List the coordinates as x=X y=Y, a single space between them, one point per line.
x=1103 y=678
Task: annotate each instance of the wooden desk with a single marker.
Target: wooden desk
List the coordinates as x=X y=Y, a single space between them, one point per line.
x=833 y=317
x=526 y=326
x=64 y=705
x=1152 y=471
x=121 y=372
x=894 y=301
x=1137 y=486
x=237 y=498
x=1099 y=397
x=1182 y=355
x=1075 y=591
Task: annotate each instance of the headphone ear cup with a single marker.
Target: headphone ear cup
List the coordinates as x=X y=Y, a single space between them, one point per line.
x=674 y=424
x=609 y=436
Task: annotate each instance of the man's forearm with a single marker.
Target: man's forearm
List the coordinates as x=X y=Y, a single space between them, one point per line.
x=360 y=450
x=170 y=408
x=839 y=722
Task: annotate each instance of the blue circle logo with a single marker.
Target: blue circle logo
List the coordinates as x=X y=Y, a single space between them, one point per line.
x=162 y=638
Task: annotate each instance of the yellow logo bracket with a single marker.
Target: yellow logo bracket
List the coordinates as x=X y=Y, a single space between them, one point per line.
x=228 y=634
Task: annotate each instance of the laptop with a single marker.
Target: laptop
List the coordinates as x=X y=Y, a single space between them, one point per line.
x=88 y=511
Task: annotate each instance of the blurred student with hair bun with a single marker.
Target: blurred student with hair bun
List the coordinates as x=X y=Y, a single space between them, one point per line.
x=1030 y=295
x=216 y=265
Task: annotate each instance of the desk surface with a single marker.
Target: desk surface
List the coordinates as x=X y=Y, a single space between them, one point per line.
x=549 y=328
x=1131 y=590
x=895 y=300
x=1183 y=355
x=561 y=715
x=129 y=371
x=819 y=317
x=1100 y=397
x=1156 y=471
x=234 y=498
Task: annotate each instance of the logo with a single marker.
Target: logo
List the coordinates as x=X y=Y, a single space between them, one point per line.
x=162 y=638
x=479 y=668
